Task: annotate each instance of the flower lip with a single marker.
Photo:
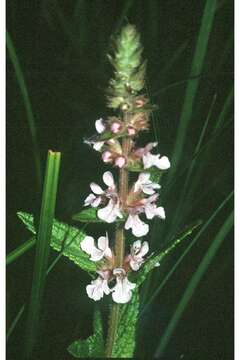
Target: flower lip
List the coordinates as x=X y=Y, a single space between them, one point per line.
x=122 y=291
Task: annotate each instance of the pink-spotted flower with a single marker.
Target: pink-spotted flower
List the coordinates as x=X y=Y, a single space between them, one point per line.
x=147 y=206
x=150 y=159
x=145 y=184
x=99 y=286
x=122 y=291
x=139 y=228
x=96 y=253
x=111 y=211
x=137 y=253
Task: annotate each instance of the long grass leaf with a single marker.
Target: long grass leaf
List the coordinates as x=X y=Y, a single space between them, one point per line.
x=20 y=250
x=193 y=283
x=186 y=251
x=179 y=213
x=42 y=248
x=15 y=322
x=192 y=87
x=224 y=112
x=27 y=103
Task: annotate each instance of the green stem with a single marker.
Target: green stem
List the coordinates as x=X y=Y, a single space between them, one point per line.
x=119 y=249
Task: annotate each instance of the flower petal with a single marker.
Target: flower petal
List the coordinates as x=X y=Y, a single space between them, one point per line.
x=108 y=179
x=98 y=145
x=144 y=249
x=99 y=125
x=88 y=246
x=122 y=291
x=103 y=242
x=110 y=212
x=139 y=228
x=163 y=163
x=89 y=199
x=96 y=189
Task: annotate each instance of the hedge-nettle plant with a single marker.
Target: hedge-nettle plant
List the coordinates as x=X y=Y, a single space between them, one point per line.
x=123 y=202
x=118 y=262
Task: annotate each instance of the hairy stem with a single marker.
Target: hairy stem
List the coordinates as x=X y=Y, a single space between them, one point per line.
x=119 y=249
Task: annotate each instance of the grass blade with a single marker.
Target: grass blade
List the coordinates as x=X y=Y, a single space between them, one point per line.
x=20 y=250
x=15 y=321
x=193 y=283
x=28 y=107
x=224 y=111
x=201 y=231
x=42 y=248
x=192 y=87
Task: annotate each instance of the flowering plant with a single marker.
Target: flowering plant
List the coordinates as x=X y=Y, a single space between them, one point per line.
x=118 y=265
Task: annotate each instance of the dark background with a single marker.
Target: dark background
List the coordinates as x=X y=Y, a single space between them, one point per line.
x=61 y=46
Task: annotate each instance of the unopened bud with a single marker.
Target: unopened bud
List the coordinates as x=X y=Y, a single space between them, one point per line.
x=120 y=161
x=107 y=156
x=115 y=127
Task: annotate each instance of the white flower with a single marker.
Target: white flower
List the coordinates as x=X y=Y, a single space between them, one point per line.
x=151 y=209
x=122 y=291
x=138 y=251
x=112 y=210
x=139 y=228
x=96 y=253
x=99 y=287
x=145 y=184
x=150 y=160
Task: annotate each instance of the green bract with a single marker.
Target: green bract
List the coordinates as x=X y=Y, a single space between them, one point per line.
x=129 y=69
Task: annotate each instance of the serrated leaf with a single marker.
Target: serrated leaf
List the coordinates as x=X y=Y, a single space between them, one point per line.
x=152 y=262
x=93 y=346
x=65 y=238
x=90 y=215
x=124 y=345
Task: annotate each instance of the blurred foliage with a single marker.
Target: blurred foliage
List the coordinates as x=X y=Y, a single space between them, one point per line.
x=57 y=79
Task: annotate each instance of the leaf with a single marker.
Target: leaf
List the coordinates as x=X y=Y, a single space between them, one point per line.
x=93 y=346
x=65 y=238
x=124 y=345
x=43 y=239
x=152 y=261
x=90 y=215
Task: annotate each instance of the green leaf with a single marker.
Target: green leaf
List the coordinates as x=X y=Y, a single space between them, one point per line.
x=43 y=239
x=124 y=345
x=90 y=215
x=93 y=346
x=66 y=239
x=154 y=260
